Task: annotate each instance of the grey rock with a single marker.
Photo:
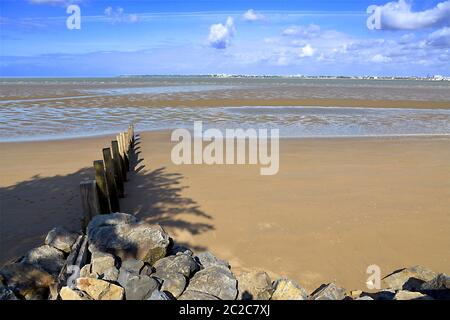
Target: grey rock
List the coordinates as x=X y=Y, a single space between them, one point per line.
x=61 y=239
x=207 y=259
x=172 y=282
x=408 y=279
x=27 y=281
x=125 y=238
x=140 y=287
x=101 y=263
x=329 y=292
x=285 y=289
x=254 y=285
x=409 y=295
x=438 y=288
x=385 y=294
x=196 y=295
x=181 y=263
x=158 y=295
x=111 y=274
x=364 y=298
x=45 y=257
x=129 y=268
x=6 y=293
x=177 y=249
x=216 y=281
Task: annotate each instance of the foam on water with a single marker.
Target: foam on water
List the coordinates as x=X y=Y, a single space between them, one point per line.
x=37 y=122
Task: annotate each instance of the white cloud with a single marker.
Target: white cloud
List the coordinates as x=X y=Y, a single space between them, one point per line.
x=379 y=58
x=117 y=15
x=251 y=16
x=439 y=38
x=302 y=31
x=399 y=16
x=220 y=34
x=307 y=51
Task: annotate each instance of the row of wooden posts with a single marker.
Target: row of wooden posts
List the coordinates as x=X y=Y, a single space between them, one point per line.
x=101 y=196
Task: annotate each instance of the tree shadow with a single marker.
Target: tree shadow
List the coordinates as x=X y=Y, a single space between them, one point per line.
x=31 y=208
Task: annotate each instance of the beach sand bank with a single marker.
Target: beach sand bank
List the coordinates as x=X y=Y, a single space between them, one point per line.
x=335 y=207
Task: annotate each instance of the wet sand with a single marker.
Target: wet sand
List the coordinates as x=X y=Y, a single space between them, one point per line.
x=335 y=207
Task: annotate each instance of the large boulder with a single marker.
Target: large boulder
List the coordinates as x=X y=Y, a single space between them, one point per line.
x=216 y=281
x=285 y=289
x=99 y=289
x=6 y=293
x=45 y=257
x=27 y=281
x=180 y=263
x=140 y=287
x=254 y=285
x=61 y=239
x=329 y=292
x=123 y=236
x=408 y=279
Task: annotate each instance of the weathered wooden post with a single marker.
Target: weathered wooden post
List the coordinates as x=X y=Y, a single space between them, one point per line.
x=125 y=151
x=102 y=191
x=89 y=201
x=110 y=180
x=118 y=171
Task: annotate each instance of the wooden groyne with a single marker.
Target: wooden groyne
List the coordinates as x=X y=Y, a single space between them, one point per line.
x=101 y=194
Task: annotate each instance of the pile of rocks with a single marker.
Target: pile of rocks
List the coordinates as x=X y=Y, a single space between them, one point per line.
x=121 y=257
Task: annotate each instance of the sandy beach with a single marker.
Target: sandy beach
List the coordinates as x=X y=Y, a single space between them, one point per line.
x=335 y=207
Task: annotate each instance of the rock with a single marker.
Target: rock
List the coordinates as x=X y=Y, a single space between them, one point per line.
x=140 y=287
x=408 y=295
x=86 y=272
x=196 y=295
x=177 y=249
x=207 y=259
x=440 y=282
x=6 y=293
x=364 y=298
x=158 y=295
x=285 y=289
x=438 y=288
x=216 y=281
x=45 y=257
x=254 y=285
x=355 y=293
x=99 y=264
x=386 y=294
x=67 y=293
x=99 y=289
x=129 y=268
x=61 y=239
x=27 y=281
x=408 y=279
x=122 y=236
x=329 y=292
x=172 y=282
x=110 y=274
x=181 y=263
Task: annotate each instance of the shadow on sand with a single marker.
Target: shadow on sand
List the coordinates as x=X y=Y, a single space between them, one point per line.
x=29 y=209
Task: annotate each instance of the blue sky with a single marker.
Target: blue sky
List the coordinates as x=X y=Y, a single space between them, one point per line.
x=322 y=37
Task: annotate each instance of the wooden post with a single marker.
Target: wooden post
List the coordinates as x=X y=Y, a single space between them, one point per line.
x=125 y=151
x=102 y=191
x=89 y=201
x=117 y=168
x=110 y=180
x=122 y=159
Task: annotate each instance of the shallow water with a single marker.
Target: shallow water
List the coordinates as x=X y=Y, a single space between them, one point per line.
x=37 y=122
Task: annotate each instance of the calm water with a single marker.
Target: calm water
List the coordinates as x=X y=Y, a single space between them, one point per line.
x=35 y=109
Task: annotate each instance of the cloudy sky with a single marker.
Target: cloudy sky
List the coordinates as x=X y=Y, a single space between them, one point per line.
x=321 y=37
